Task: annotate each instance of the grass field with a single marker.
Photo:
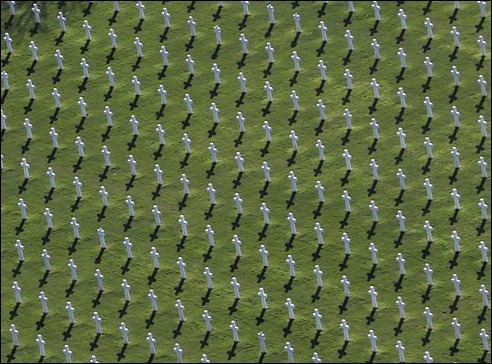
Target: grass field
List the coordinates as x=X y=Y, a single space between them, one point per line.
x=166 y=282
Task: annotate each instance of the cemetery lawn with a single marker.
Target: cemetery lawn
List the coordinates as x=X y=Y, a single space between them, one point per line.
x=166 y=282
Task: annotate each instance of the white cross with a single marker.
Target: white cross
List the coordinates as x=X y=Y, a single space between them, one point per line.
x=113 y=37
x=403 y=97
x=346 y=243
x=482 y=5
x=134 y=123
x=271 y=13
x=377 y=10
x=347 y=199
x=483 y=85
x=295 y=100
x=292 y=265
x=269 y=91
x=104 y=196
x=37 y=13
x=374 y=296
x=375 y=46
x=216 y=70
x=51 y=175
x=34 y=50
x=191 y=64
x=402 y=136
x=319 y=276
x=8 y=41
x=20 y=250
x=263 y=298
x=124 y=332
x=136 y=84
x=457 y=328
x=346 y=286
x=297 y=21
x=429 y=65
x=483 y=125
x=139 y=45
x=30 y=86
x=56 y=95
x=160 y=133
x=87 y=29
x=375 y=88
x=133 y=165
x=241 y=120
x=457 y=284
x=210 y=234
x=25 y=166
x=82 y=104
x=323 y=29
x=261 y=337
x=28 y=126
x=293 y=181
x=159 y=172
x=85 y=67
x=350 y=39
x=242 y=82
x=294 y=138
x=482 y=43
x=167 y=17
x=235 y=286
x=428 y=146
x=208 y=276
x=46 y=260
x=150 y=339
x=429 y=26
x=296 y=59
x=266 y=171
x=218 y=34
x=179 y=353
x=109 y=115
x=403 y=19
x=428 y=189
x=270 y=51
x=456 y=116
x=44 y=301
x=403 y=57
x=317 y=319
x=17 y=291
x=485 y=339
x=319 y=233
x=292 y=221
x=456 y=241
x=483 y=249
x=164 y=54
x=189 y=103
x=264 y=255
x=40 y=341
x=428 y=229
x=401 y=307
x=141 y=8
x=401 y=351
x=128 y=247
x=126 y=289
x=155 y=257
x=73 y=269
x=131 y=205
x=157 y=215
x=237 y=245
x=375 y=168
x=235 y=331
x=290 y=352
x=456 y=75
x=192 y=25
x=100 y=280
x=184 y=225
x=348 y=118
x=456 y=198
x=428 y=317
x=483 y=208
x=374 y=209
x=290 y=307
x=240 y=161
x=186 y=183
x=11 y=5
x=208 y=319
x=23 y=208
x=59 y=59
x=485 y=294
x=345 y=328
x=245 y=7
x=244 y=43
x=321 y=109
x=456 y=36
x=401 y=220
x=4 y=118
x=97 y=321
x=373 y=338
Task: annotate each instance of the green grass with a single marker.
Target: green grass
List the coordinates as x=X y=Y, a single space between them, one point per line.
x=278 y=234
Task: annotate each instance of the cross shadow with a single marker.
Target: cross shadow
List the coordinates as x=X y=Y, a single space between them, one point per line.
x=34 y=30
x=293 y=119
x=398 y=329
x=132 y=144
x=184 y=162
x=481 y=272
x=370 y=232
x=156 y=193
x=67 y=334
x=104 y=174
x=8 y=23
x=371 y=318
x=454 y=306
x=40 y=323
x=426 y=250
x=4 y=97
x=121 y=354
x=453 y=55
x=233 y=308
x=130 y=184
x=263 y=192
x=6 y=60
x=316 y=254
x=122 y=311
x=25 y=147
x=344 y=180
x=20 y=228
x=75 y=205
x=216 y=16
x=97 y=301
x=370 y=275
x=287 y=330
x=426 y=168
x=85 y=48
x=400 y=38
x=373 y=108
x=57 y=76
x=206 y=298
x=214 y=92
x=348 y=19
x=179 y=288
x=239 y=138
x=317 y=170
x=182 y=203
x=399 y=240
x=454 y=262
x=41 y=359
x=44 y=280
x=290 y=202
x=16 y=271
x=480 y=146
x=28 y=107
x=372 y=190
x=426 y=208
x=180 y=245
x=13 y=313
x=454 y=219
x=162 y=74
x=151 y=279
x=399 y=157
x=112 y=20
x=234 y=266
x=293 y=80
x=315 y=296
x=479 y=26
x=453 y=17
x=346 y=60
x=261 y=276
x=426 y=87
x=374 y=66
x=372 y=357
x=80 y=126
x=158 y=152
x=343 y=264
x=243 y=25
x=454 y=349
x=240 y=100
x=208 y=255
x=94 y=344
x=292 y=159
x=69 y=290
x=139 y=26
x=319 y=129
x=479 y=65
x=317 y=212
x=479 y=106
x=321 y=11
x=260 y=319
x=232 y=352
x=262 y=234
x=267 y=71
x=346 y=138
x=342 y=351
x=314 y=341
x=484 y=355
x=269 y=30
x=204 y=342
x=400 y=77
x=288 y=286
x=427 y=8
x=191 y=7
x=295 y=40
x=321 y=48
x=290 y=244
x=151 y=358
x=453 y=137
x=125 y=268
x=31 y=69
x=212 y=130
x=187 y=83
x=372 y=148
x=344 y=222
x=453 y=96
x=128 y=225
x=481 y=317
x=72 y=249
x=54 y=117
x=237 y=182
x=398 y=285
x=242 y=61
x=49 y=196
x=343 y=307
x=426 y=295
x=110 y=57
x=347 y=97
x=136 y=65
x=319 y=90
x=374 y=28
x=481 y=228
x=427 y=46
x=210 y=171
